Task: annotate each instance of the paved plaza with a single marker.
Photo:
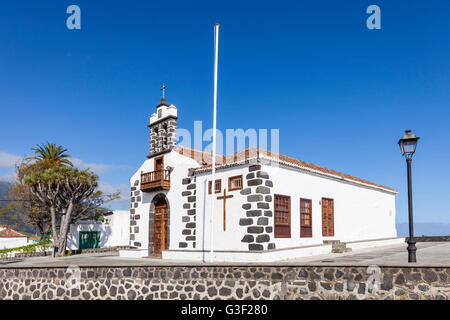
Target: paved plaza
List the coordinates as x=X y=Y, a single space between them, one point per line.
x=428 y=254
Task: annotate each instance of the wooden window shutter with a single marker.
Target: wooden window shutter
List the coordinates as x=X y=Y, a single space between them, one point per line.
x=305 y=218
x=282 y=216
x=327 y=217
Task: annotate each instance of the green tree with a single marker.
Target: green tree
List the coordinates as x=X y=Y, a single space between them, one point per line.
x=52 y=196
x=50 y=152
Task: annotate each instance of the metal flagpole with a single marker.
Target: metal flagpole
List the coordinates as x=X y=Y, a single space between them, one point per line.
x=213 y=168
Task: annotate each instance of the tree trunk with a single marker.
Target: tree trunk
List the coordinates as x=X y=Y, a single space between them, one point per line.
x=64 y=230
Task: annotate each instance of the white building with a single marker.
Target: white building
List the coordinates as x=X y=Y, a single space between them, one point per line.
x=277 y=207
x=112 y=231
x=10 y=238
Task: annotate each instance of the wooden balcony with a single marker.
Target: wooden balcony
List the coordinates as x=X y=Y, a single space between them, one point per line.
x=155 y=181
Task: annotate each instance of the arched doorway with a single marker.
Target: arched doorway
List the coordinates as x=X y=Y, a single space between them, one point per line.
x=159 y=225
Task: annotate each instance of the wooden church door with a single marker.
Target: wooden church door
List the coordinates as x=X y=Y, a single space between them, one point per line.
x=160 y=226
x=327 y=217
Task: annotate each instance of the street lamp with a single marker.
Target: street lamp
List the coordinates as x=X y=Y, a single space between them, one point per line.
x=408 y=146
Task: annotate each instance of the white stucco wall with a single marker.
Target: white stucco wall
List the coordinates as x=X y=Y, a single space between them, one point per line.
x=8 y=243
x=114 y=233
x=230 y=239
x=360 y=213
x=181 y=164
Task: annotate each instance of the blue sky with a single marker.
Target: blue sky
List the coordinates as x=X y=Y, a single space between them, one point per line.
x=340 y=94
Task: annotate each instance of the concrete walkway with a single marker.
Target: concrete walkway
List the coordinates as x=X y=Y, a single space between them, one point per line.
x=428 y=254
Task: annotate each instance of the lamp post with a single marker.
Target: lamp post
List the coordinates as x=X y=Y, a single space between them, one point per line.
x=408 y=144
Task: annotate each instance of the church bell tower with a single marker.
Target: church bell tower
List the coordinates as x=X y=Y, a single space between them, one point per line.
x=163 y=127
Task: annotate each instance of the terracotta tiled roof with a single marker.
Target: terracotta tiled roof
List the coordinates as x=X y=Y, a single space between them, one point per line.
x=10 y=233
x=200 y=156
x=254 y=153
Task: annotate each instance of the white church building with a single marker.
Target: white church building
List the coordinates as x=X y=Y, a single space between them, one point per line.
x=267 y=206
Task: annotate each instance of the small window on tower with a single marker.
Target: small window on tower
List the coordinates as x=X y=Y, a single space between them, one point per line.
x=159 y=113
x=235 y=183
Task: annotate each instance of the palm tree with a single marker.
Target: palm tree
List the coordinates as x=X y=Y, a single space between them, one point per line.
x=51 y=152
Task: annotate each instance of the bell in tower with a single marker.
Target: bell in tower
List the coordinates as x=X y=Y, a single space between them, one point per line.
x=163 y=127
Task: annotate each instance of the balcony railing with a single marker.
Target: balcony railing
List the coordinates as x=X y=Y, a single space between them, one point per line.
x=155 y=180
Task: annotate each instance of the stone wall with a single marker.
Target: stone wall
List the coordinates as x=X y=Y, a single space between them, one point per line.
x=258 y=219
x=431 y=239
x=188 y=219
x=226 y=282
x=136 y=199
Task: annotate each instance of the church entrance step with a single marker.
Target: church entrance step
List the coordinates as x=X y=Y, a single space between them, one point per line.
x=337 y=246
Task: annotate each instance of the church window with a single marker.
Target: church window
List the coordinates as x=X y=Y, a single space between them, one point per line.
x=159 y=113
x=235 y=183
x=217 y=186
x=305 y=218
x=282 y=216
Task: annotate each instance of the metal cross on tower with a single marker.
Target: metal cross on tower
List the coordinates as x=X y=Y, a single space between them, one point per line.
x=163 y=88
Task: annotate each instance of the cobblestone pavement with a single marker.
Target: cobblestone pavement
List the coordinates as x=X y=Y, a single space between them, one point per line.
x=428 y=254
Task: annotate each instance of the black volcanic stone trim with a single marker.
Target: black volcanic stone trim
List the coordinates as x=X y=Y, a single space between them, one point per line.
x=262 y=174
x=255 y=247
x=182 y=245
x=255 y=198
x=255 y=229
x=263 y=205
x=190 y=216
x=269 y=229
x=263 y=221
x=262 y=238
x=137 y=217
x=271 y=246
x=245 y=222
x=254 y=182
x=263 y=190
x=133 y=223
x=268 y=213
x=262 y=195
x=254 y=213
x=250 y=176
